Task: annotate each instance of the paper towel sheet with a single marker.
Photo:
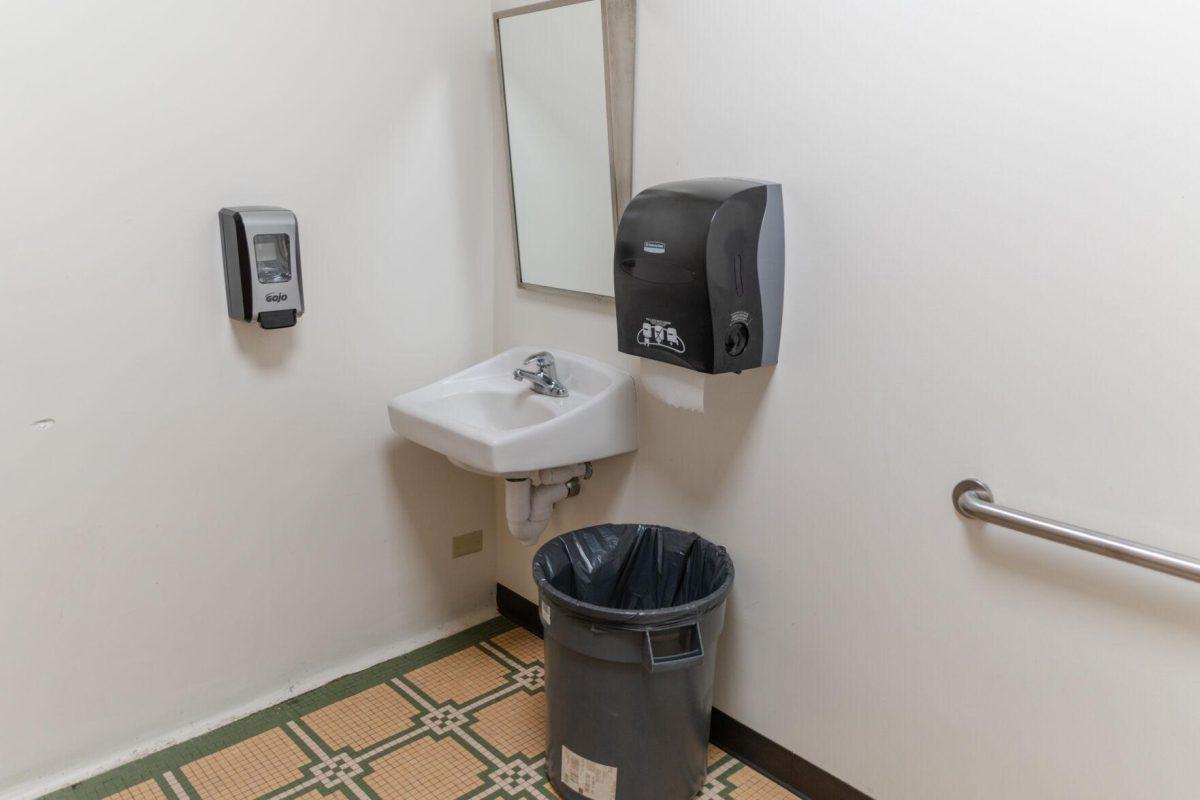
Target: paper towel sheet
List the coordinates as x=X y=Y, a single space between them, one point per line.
x=675 y=386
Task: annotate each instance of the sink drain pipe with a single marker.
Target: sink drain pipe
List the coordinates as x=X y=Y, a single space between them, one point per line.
x=529 y=501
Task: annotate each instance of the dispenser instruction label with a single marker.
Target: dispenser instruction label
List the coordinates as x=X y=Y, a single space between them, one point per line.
x=660 y=333
x=592 y=780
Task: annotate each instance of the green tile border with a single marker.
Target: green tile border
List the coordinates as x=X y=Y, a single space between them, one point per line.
x=153 y=766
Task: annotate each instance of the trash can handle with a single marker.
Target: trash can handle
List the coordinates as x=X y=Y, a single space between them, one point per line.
x=677 y=660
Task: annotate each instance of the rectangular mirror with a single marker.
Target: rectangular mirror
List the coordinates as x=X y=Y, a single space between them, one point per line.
x=566 y=79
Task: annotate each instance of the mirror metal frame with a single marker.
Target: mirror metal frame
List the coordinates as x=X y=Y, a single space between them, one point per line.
x=618 y=21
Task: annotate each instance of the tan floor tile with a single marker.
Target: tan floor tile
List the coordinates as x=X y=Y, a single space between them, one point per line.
x=715 y=754
x=425 y=770
x=248 y=769
x=516 y=724
x=313 y=794
x=147 y=790
x=362 y=720
x=522 y=644
x=461 y=677
x=753 y=786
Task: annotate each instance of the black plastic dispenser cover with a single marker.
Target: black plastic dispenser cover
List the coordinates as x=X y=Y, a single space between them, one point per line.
x=698 y=274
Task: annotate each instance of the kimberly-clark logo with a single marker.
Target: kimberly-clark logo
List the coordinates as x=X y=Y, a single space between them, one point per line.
x=655 y=247
x=658 y=333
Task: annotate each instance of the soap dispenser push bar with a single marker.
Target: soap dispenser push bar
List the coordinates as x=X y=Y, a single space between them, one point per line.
x=973 y=499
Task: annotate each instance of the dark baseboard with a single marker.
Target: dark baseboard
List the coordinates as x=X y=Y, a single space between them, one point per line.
x=517 y=609
x=768 y=757
x=777 y=762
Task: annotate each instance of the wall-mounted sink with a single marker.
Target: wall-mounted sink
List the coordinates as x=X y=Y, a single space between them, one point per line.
x=484 y=420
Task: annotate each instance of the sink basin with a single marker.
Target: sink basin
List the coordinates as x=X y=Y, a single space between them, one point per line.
x=483 y=420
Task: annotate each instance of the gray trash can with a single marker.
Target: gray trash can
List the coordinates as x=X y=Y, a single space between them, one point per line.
x=632 y=616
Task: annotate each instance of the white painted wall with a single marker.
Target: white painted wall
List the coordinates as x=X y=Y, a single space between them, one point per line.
x=222 y=513
x=993 y=225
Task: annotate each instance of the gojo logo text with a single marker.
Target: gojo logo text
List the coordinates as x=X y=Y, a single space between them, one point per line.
x=278 y=297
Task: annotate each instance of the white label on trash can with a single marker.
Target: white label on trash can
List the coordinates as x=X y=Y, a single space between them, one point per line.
x=593 y=781
x=544 y=613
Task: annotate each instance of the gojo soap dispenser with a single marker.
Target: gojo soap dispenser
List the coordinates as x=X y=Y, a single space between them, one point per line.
x=261 y=250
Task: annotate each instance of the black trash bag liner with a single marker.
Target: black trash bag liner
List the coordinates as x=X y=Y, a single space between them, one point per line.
x=635 y=574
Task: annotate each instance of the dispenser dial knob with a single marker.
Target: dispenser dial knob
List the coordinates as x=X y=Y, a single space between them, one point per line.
x=737 y=338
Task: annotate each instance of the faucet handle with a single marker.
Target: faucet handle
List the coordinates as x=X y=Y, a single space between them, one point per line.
x=542 y=359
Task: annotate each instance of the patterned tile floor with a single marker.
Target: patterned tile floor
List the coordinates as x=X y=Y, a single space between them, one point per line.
x=463 y=718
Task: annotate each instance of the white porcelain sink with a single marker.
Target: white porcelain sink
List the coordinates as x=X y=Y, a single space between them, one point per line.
x=484 y=420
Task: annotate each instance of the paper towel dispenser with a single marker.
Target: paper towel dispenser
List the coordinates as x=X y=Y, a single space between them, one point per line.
x=698 y=274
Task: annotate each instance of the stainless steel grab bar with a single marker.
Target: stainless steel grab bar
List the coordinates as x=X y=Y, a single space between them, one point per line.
x=973 y=499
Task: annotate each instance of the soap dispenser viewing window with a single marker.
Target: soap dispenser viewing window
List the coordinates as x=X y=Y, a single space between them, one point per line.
x=262 y=265
x=272 y=257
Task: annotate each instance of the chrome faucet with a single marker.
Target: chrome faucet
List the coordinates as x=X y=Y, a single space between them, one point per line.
x=545 y=379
